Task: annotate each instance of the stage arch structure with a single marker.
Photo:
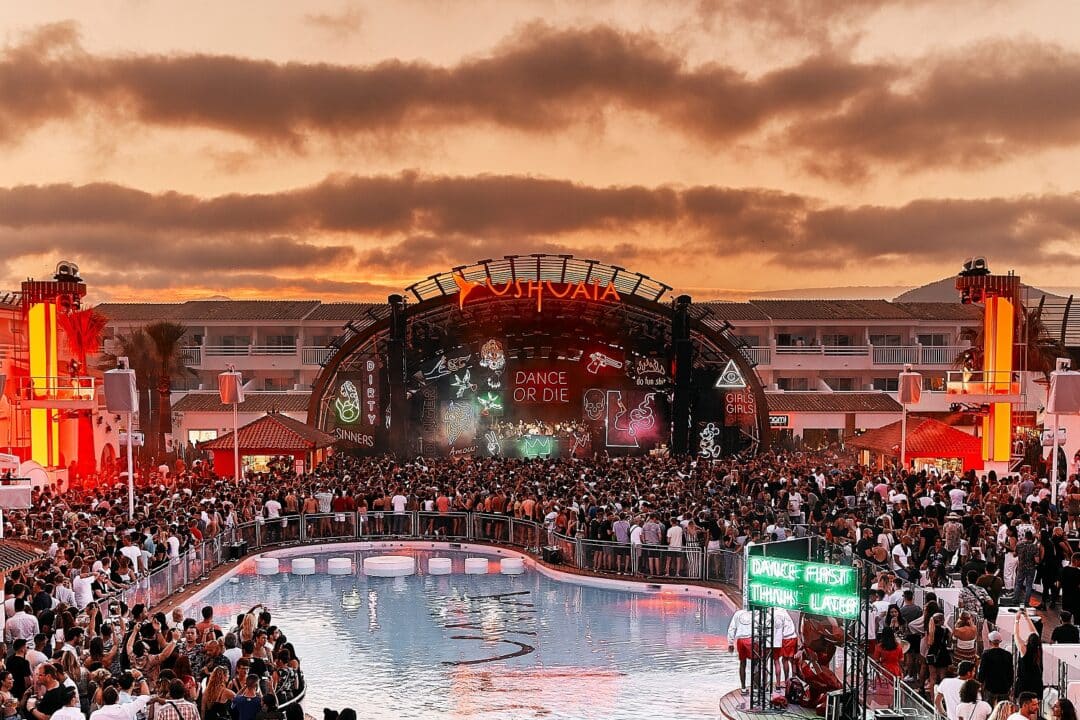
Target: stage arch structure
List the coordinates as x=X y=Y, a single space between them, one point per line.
x=539 y=356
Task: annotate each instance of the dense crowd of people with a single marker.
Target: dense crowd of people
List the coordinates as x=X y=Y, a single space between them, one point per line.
x=1000 y=536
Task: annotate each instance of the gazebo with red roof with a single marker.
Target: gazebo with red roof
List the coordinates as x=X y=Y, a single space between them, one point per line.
x=273 y=435
x=927 y=439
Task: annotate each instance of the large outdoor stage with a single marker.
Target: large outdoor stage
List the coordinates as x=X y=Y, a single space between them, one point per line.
x=539 y=356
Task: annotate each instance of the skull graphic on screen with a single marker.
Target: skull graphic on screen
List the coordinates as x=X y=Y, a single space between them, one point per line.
x=594 y=404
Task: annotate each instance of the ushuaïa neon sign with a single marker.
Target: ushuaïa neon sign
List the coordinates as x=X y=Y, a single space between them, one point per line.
x=804 y=586
x=517 y=289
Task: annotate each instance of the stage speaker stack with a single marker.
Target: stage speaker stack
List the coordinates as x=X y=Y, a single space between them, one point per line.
x=120 y=394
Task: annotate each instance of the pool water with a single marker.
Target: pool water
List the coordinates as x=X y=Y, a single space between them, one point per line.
x=490 y=646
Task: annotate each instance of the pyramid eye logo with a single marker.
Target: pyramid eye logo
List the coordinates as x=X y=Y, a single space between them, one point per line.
x=347 y=404
x=730 y=377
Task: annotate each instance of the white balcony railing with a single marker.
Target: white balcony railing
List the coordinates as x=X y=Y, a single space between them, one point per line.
x=846 y=350
x=895 y=354
x=191 y=355
x=247 y=350
x=56 y=391
x=982 y=382
x=798 y=350
x=315 y=355
x=941 y=354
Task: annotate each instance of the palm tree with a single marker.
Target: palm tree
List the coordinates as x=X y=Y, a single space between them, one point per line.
x=1039 y=353
x=166 y=340
x=137 y=347
x=83 y=330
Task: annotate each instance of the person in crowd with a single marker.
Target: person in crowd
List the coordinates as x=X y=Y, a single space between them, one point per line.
x=1063 y=709
x=996 y=670
x=971 y=707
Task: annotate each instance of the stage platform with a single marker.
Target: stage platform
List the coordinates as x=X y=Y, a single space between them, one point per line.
x=735 y=706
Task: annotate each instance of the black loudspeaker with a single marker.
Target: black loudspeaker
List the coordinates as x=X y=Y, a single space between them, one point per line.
x=238 y=550
x=551 y=555
x=120 y=394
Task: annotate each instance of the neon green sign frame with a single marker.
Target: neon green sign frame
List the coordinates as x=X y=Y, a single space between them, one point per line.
x=815 y=588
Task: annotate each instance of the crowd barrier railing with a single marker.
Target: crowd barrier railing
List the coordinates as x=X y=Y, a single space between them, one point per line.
x=154 y=587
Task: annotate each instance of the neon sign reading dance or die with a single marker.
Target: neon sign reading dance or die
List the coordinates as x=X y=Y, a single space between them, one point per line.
x=517 y=289
x=808 y=587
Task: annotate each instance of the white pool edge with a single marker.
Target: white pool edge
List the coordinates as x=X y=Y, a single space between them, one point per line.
x=634 y=586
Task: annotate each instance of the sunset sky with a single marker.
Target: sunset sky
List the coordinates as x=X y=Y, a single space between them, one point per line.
x=341 y=150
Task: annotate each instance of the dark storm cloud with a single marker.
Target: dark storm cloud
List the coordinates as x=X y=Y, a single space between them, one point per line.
x=990 y=103
x=410 y=223
x=136 y=247
x=539 y=80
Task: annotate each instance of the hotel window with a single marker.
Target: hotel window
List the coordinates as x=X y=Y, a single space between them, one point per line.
x=841 y=384
x=887 y=384
x=933 y=383
x=281 y=340
x=235 y=340
x=838 y=340
x=751 y=340
x=934 y=340
x=795 y=384
x=277 y=384
x=885 y=340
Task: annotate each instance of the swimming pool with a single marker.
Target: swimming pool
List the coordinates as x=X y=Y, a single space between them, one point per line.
x=489 y=646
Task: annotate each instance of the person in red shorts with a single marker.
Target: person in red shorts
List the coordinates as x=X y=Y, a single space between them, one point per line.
x=740 y=636
x=785 y=643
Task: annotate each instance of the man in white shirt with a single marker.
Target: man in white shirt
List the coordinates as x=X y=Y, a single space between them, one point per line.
x=113 y=709
x=399 y=502
x=740 y=637
x=81 y=585
x=947 y=692
x=901 y=559
x=21 y=625
x=672 y=559
x=956 y=499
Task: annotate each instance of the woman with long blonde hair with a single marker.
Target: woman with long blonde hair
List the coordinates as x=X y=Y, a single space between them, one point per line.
x=1002 y=710
x=217 y=696
x=247 y=628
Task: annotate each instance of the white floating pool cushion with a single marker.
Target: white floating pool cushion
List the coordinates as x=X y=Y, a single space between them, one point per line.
x=303 y=566
x=439 y=566
x=512 y=566
x=476 y=566
x=266 y=566
x=389 y=566
x=339 y=566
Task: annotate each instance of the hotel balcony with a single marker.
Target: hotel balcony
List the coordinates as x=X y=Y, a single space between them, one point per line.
x=853 y=357
x=984 y=386
x=57 y=392
x=255 y=357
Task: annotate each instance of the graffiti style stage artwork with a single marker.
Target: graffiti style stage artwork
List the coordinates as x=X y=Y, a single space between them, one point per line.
x=599 y=360
x=463 y=384
x=595 y=401
x=347 y=403
x=625 y=427
x=489 y=403
x=492 y=615
x=459 y=420
x=444 y=366
x=492 y=355
x=730 y=377
x=707 y=441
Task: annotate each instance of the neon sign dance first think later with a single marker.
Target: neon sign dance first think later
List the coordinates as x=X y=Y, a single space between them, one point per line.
x=804 y=586
x=517 y=289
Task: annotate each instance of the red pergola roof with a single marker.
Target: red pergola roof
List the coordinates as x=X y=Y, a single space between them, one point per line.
x=926 y=438
x=274 y=432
